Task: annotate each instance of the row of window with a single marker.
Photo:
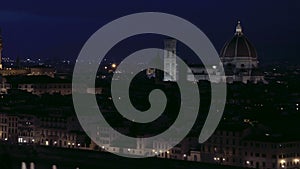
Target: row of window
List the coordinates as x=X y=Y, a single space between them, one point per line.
x=221 y=140
x=256 y=154
x=46 y=86
x=229 y=133
x=57 y=133
x=281 y=156
x=26 y=134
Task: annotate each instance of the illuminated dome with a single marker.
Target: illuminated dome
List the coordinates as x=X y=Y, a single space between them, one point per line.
x=239 y=59
x=238 y=46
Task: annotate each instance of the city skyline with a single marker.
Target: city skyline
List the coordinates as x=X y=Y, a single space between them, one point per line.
x=158 y=84
x=272 y=27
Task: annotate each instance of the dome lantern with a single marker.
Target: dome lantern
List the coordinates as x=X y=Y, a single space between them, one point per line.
x=238 y=29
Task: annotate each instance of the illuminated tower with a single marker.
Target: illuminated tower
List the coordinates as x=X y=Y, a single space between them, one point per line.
x=170 y=65
x=0 y=50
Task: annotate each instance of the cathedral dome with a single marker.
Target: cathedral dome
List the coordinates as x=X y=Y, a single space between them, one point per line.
x=238 y=46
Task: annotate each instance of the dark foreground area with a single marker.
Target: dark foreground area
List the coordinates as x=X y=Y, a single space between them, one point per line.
x=11 y=157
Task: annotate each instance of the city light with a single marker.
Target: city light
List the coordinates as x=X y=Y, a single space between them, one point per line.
x=216 y=158
x=282 y=161
x=38 y=115
x=113 y=65
x=20 y=140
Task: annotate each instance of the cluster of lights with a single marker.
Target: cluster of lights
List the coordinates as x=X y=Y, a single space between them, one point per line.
x=113 y=65
x=283 y=162
x=153 y=151
x=21 y=140
x=218 y=159
x=160 y=151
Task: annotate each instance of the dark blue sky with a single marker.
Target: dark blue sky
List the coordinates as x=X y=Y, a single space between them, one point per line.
x=58 y=29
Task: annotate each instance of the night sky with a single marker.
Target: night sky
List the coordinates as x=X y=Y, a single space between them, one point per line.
x=58 y=29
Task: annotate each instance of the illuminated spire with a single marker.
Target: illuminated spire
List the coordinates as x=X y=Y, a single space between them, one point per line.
x=238 y=29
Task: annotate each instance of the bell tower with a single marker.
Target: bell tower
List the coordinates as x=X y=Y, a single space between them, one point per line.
x=170 y=65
